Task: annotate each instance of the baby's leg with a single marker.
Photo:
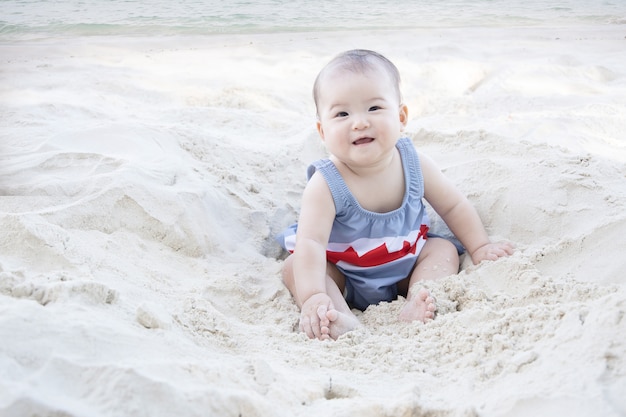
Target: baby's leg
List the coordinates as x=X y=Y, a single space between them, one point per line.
x=438 y=258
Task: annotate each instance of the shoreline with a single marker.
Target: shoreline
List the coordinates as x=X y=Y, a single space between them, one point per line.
x=517 y=29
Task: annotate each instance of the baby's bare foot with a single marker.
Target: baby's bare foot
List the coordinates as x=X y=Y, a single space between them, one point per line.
x=421 y=306
x=341 y=323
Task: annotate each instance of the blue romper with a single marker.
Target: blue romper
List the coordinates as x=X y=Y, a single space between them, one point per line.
x=373 y=250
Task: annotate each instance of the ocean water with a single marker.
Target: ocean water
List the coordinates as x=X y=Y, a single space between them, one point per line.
x=37 y=18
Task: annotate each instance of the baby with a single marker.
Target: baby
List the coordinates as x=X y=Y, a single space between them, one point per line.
x=362 y=234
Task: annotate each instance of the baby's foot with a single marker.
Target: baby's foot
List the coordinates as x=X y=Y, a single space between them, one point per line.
x=421 y=306
x=341 y=323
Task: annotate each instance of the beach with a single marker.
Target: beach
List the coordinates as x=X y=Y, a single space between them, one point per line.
x=143 y=180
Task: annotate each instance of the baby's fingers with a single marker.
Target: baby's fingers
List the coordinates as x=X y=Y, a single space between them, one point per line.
x=507 y=247
x=305 y=326
x=492 y=252
x=311 y=326
x=500 y=250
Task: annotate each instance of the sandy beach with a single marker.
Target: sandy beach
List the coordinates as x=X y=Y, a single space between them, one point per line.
x=143 y=179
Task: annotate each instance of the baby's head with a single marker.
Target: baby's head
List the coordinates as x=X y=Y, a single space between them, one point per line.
x=358 y=61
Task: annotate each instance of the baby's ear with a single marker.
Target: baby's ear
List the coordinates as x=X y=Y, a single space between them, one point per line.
x=320 y=129
x=404 y=114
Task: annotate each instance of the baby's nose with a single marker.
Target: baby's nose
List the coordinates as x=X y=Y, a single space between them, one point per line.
x=360 y=122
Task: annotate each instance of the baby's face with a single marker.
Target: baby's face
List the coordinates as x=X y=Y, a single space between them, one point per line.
x=359 y=113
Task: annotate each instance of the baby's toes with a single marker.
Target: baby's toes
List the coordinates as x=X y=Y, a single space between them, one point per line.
x=332 y=315
x=322 y=314
x=423 y=294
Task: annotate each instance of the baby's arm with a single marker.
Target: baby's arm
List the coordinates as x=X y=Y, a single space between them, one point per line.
x=460 y=215
x=317 y=214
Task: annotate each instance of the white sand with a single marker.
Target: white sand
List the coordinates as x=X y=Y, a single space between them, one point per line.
x=142 y=181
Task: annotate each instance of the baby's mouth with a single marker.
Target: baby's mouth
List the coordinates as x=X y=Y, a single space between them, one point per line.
x=361 y=141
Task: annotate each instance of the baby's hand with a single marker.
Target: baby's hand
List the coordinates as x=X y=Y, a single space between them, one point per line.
x=492 y=251
x=313 y=320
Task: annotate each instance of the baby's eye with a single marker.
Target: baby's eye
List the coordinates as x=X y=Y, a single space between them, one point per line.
x=374 y=108
x=341 y=114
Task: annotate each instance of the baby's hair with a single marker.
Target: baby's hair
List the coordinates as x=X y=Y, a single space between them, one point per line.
x=359 y=61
